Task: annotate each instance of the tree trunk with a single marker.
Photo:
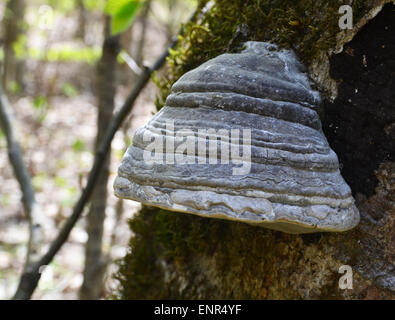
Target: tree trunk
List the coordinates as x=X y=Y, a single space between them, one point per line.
x=13 y=28
x=180 y=256
x=141 y=40
x=81 y=31
x=95 y=262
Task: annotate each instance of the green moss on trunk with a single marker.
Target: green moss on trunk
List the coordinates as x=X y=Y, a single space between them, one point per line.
x=308 y=26
x=175 y=255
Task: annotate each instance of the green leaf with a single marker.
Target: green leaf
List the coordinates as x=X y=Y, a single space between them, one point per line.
x=60 y=182
x=122 y=13
x=78 y=146
x=14 y=87
x=114 y=6
x=69 y=90
x=94 y=4
x=40 y=102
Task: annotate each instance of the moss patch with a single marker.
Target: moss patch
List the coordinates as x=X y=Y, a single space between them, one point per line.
x=307 y=26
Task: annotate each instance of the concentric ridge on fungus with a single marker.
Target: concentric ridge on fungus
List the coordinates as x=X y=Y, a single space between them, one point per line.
x=294 y=184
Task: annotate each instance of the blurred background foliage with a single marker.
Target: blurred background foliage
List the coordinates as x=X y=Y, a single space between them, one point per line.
x=50 y=51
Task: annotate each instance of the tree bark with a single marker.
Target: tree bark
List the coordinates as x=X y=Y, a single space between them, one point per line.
x=32 y=211
x=82 y=15
x=141 y=40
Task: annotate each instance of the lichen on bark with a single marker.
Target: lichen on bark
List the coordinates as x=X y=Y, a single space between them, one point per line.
x=175 y=255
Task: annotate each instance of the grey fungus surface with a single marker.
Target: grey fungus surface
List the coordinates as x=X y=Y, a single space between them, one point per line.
x=293 y=184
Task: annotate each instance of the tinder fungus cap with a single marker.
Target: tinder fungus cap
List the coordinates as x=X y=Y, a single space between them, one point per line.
x=240 y=139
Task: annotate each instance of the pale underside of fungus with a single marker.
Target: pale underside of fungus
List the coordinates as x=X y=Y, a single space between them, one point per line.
x=281 y=172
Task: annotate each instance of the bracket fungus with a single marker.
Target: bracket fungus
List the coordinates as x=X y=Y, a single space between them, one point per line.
x=240 y=139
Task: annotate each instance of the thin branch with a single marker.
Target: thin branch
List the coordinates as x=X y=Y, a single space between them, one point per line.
x=22 y=175
x=130 y=62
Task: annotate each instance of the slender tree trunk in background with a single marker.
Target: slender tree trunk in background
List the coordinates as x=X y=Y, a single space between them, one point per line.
x=94 y=260
x=81 y=20
x=142 y=37
x=13 y=28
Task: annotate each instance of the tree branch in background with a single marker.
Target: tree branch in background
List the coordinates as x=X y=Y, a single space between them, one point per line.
x=22 y=175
